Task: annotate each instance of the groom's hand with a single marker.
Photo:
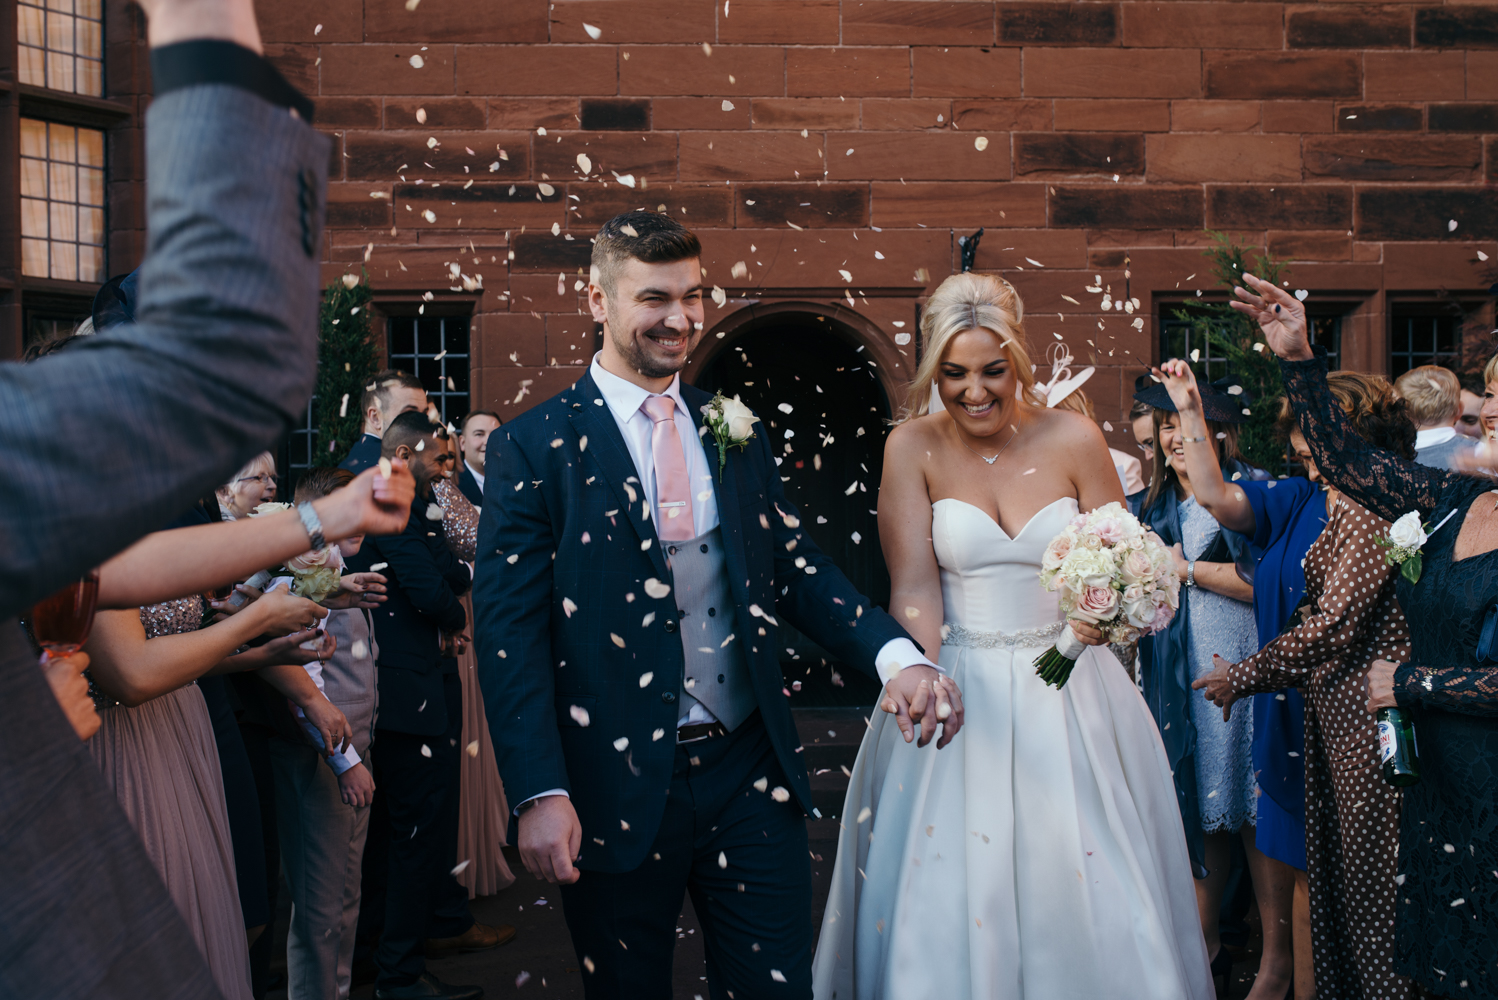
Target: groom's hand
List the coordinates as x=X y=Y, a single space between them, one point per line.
x=550 y=837
x=924 y=696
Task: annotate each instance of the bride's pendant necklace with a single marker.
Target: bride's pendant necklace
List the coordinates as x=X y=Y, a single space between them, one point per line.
x=985 y=458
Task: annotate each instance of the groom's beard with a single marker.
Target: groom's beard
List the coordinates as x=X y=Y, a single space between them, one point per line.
x=637 y=352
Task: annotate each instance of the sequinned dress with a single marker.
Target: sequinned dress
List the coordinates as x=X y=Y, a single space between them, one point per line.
x=161 y=760
x=1352 y=814
x=1446 y=916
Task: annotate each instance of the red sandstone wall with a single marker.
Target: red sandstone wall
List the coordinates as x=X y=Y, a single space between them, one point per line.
x=809 y=137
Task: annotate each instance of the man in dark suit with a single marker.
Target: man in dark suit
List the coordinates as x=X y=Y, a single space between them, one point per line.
x=104 y=442
x=473 y=441
x=389 y=394
x=627 y=600
x=418 y=726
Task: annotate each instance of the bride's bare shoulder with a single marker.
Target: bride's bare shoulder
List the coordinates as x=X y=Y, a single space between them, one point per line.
x=1067 y=428
x=916 y=438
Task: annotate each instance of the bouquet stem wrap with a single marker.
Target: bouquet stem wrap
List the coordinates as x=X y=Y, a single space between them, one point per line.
x=1054 y=665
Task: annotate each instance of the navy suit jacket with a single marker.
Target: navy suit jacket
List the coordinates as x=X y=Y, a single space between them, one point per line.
x=424 y=583
x=469 y=486
x=364 y=453
x=574 y=654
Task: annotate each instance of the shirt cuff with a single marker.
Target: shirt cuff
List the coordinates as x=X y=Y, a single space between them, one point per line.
x=212 y=60
x=541 y=795
x=341 y=762
x=896 y=655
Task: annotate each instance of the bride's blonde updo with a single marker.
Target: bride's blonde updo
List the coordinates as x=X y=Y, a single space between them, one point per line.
x=964 y=302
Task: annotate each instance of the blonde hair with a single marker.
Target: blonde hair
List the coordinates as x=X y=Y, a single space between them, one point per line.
x=1432 y=393
x=965 y=302
x=1490 y=372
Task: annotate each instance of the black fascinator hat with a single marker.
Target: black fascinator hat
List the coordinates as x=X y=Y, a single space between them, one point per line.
x=114 y=303
x=1223 y=401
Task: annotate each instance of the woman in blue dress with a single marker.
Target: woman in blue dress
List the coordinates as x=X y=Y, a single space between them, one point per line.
x=1210 y=756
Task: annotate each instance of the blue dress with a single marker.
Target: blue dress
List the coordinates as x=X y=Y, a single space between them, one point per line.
x=1289 y=514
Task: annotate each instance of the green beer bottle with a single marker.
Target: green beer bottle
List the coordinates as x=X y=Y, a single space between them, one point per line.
x=1397 y=750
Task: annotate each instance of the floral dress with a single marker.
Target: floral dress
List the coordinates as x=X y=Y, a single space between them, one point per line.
x=1446 y=914
x=1352 y=814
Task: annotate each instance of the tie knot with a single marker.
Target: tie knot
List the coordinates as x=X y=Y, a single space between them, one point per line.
x=659 y=408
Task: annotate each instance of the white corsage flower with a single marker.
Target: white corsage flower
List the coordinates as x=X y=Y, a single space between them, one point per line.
x=731 y=424
x=1407 y=536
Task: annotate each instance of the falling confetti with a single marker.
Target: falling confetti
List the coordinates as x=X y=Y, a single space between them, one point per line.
x=656 y=588
x=426 y=751
x=593 y=33
x=621 y=743
x=579 y=715
x=646 y=678
x=980 y=143
x=460 y=866
x=779 y=794
x=727 y=104
x=722 y=860
x=473 y=748
x=584 y=164
x=416 y=61
x=762 y=784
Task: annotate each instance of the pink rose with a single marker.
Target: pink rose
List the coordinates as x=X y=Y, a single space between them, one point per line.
x=1137 y=567
x=311 y=559
x=1110 y=530
x=1096 y=604
x=1057 y=551
x=1164 y=614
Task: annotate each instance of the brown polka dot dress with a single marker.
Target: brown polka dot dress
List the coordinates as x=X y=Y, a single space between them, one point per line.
x=1352 y=815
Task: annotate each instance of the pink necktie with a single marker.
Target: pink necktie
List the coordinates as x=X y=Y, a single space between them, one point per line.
x=673 y=500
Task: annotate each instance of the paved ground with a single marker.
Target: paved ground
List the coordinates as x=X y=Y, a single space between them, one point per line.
x=540 y=962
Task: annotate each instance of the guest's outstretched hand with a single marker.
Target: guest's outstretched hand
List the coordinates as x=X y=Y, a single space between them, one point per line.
x=1217 y=688
x=921 y=696
x=1180 y=381
x=282 y=612
x=373 y=504
x=1279 y=314
x=358 y=590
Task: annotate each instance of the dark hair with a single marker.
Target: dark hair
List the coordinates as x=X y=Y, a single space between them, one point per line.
x=1139 y=410
x=1225 y=436
x=318 y=483
x=463 y=424
x=377 y=392
x=1474 y=380
x=1379 y=417
x=649 y=237
x=409 y=428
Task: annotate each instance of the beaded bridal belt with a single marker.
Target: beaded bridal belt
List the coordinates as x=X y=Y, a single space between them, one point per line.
x=956 y=635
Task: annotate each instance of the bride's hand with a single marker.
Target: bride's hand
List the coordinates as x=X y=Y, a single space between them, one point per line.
x=921 y=695
x=1180 y=382
x=1090 y=634
x=1217 y=688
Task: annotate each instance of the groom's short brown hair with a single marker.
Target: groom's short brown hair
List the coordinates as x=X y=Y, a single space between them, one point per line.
x=650 y=237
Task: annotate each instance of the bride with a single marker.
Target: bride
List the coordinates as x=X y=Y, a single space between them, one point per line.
x=1041 y=855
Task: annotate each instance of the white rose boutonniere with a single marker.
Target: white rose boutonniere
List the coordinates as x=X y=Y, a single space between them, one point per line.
x=1405 y=539
x=731 y=424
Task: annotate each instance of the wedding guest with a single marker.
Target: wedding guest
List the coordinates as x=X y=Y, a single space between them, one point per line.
x=1433 y=395
x=389 y=394
x=473 y=441
x=1350 y=619
x=1474 y=386
x=419 y=725
x=251 y=486
x=1142 y=427
x=322 y=802
x=1211 y=757
x=1446 y=921
x=483 y=817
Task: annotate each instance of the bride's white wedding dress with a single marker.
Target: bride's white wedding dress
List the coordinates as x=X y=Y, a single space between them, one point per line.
x=1040 y=855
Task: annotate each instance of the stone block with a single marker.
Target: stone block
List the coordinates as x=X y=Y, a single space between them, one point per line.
x=482 y=206
x=644 y=154
x=614 y=113
x=1078 y=153
x=440 y=113
x=1131 y=207
x=1464 y=117
x=1000 y=116
x=510 y=392
x=380 y=156
x=700 y=113
x=917 y=22
x=1414 y=76
x=1482 y=76
x=1318 y=206
x=1203 y=25
x=300 y=65
x=552 y=254
x=530 y=113
x=846 y=72
x=1423 y=214
x=1225 y=157
x=347 y=112
x=537 y=70
x=1379 y=118
x=818 y=113
x=1058 y=23
x=350 y=204
x=926 y=156
x=688 y=71
x=645 y=22
x=310 y=24
x=691 y=204
x=513 y=22
x=1297 y=245
x=1298 y=116
x=571 y=337
x=1054 y=248
x=501 y=334
x=750 y=156
x=1112 y=116
x=1370 y=158
x=777 y=22
x=810 y=206
x=786 y=258
x=966 y=72
x=1214 y=116
x=1323 y=27
x=1112 y=73
x=1457 y=27
x=555 y=291
x=960 y=204
x=1285 y=75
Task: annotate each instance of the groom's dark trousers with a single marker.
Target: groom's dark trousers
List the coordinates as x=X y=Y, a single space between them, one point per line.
x=579 y=638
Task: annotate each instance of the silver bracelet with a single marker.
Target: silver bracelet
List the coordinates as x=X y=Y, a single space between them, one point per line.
x=1191 y=573
x=313 y=524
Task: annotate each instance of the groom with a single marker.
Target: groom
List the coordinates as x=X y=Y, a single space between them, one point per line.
x=626 y=602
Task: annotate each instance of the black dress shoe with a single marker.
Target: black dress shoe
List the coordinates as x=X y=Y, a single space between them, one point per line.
x=429 y=987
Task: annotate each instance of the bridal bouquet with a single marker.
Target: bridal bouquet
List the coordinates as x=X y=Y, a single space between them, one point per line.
x=316 y=574
x=1111 y=572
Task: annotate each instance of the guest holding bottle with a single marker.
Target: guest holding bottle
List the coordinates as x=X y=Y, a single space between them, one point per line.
x=1446 y=918
x=1349 y=619
x=1211 y=757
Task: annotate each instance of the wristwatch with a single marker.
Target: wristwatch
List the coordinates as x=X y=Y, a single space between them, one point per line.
x=313 y=524
x=1191 y=573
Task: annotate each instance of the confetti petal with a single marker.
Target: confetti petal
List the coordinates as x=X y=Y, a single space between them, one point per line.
x=593 y=33
x=656 y=588
x=579 y=715
x=980 y=143
x=621 y=744
x=646 y=678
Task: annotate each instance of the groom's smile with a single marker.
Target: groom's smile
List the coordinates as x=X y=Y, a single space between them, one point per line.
x=652 y=318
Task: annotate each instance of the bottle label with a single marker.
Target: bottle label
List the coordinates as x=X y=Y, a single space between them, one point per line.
x=1387 y=733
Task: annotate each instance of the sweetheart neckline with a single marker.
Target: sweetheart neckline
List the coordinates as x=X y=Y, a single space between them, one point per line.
x=991 y=520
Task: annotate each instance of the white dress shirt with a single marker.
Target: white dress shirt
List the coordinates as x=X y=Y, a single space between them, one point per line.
x=478 y=477
x=1433 y=435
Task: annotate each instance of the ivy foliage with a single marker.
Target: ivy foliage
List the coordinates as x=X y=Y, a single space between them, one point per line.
x=346 y=360
x=1226 y=333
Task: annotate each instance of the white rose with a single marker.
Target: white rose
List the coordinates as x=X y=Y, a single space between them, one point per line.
x=739 y=420
x=1407 y=532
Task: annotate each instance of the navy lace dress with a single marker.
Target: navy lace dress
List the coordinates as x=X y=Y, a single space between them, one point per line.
x=1446 y=923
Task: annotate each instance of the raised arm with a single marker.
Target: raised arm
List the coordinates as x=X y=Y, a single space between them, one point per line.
x=1380 y=480
x=1224 y=502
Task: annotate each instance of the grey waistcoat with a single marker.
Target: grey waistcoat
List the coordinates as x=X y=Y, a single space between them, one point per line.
x=717 y=674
